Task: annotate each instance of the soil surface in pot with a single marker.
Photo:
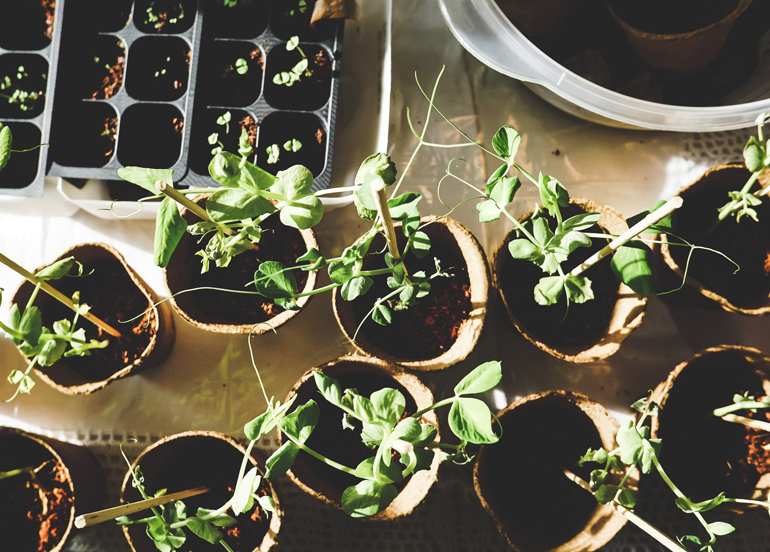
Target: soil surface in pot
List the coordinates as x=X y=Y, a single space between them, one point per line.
x=26 y=24
x=585 y=323
x=113 y=297
x=528 y=490
x=429 y=328
x=747 y=243
x=110 y=73
x=594 y=46
x=281 y=127
x=310 y=91
x=243 y=20
x=344 y=445
x=209 y=462
x=278 y=243
x=34 y=511
x=287 y=19
x=702 y=454
x=164 y=16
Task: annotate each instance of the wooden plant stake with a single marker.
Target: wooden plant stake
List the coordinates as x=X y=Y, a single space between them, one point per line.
x=748 y=422
x=58 y=295
x=378 y=189
x=651 y=530
x=87 y=520
x=664 y=210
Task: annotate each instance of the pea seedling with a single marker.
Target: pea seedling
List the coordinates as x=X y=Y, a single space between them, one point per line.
x=41 y=345
x=13 y=90
x=299 y=7
x=274 y=150
x=636 y=451
x=288 y=78
x=748 y=403
x=6 y=140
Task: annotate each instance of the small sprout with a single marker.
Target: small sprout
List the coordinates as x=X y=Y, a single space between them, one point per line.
x=213 y=138
x=241 y=66
x=300 y=69
x=273 y=154
x=292 y=43
x=293 y=145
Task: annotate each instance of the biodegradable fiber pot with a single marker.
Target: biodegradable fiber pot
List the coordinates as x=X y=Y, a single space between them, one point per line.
x=202 y=458
x=521 y=483
x=702 y=454
x=747 y=242
x=591 y=331
x=145 y=343
x=679 y=52
x=412 y=339
x=232 y=313
x=73 y=481
x=366 y=375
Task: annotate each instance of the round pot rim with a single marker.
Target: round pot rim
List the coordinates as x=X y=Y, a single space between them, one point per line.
x=37 y=439
x=472 y=326
x=257 y=460
x=606 y=426
x=159 y=311
x=309 y=238
x=690 y=280
x=740 y=7
x=627 y=301
x=420 y=482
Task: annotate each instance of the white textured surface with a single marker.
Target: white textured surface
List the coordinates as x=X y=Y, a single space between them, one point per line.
x=208 y=383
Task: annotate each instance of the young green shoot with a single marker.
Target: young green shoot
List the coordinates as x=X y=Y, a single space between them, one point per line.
x=274 y=150
x=41 y=345
x=300 y=69
x=14 y=91
x=748 y=403
x=6 y=140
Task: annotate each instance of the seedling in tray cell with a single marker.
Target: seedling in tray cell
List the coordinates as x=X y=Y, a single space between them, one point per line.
x=165 y=16
x=274 y=150
x=16 y=89
x=296 y=7
x=300 y=70
x=6 y=140
x=44 y=346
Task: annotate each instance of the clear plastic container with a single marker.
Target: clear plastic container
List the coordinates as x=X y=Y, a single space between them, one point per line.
x=482 y=28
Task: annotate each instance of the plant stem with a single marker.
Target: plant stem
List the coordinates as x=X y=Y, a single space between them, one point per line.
x=745 y=405
x=664 y=210
x=748 y=422
x=648 y=528
x=418 y=415
x=58 y=295
x=321 y=457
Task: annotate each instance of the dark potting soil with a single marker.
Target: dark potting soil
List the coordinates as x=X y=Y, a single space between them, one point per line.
x=26 y=24
x=280 y=127
x=207 y=124
x=583 y=324
x=160 y=69
x=309 y=92
x=745 y=242
x=113 y=297
x=529 y=490
x=593 y=45
x=278 y=243
x=27 y=73
x=34 y=511
x=223 y=84
x=287 y=20
x=429 y=328
x=98 y=15
x=703 y=454
x=210 y=462
x=244 y=20
x=666 y=17
x=86 y=137
x=758 y=457
x=110 y=68
x=151 y=135
x=164 y=16
x=344 y=445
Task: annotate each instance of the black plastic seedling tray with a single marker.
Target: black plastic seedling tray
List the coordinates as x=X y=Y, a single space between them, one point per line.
x=163 y=116
x=28 y=62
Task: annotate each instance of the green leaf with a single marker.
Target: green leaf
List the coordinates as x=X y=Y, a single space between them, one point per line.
x=599 y=456
x=666 y=224
x=242 y=498
x=606 y=493
x=204 y=530
x=525 y=250
x=378 y=164
x=552 y=194
x=388 y=404
x=281 y=460
x=314 y=258
x=303 y=213
x=565 y=243
x=294 y=182
x=221 y=520
x=146 y=178
x=481 y=379
x=328 y=387
x=5 y=145
x=541 y=231
x=408 y=430
x=630 y=443
x=300 y=424
x=356 y=287
x=506 y=143
x=580 y=223
x=627 y=498
x=419 y=243
x=382 y=314
x=266 y=421
x=229 y=205
x=471 y=420
x=169 y=229
x=578 y=288
x=404 y=205
x=365 y=470
x=548 y=290
x=31 y=325
x=342 y=271
x=633 y=264
x=272 y=280
x=57 y=270
x=368 y=498
x=754 y=155
x=234 y=172
x=720 y=528
x=51 y=351
x=689 y=507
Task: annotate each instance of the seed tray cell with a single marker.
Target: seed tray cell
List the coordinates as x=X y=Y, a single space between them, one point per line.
x=28 y=40
x=141 y=86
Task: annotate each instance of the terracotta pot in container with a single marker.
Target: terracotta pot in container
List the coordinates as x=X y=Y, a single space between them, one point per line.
x=366 y=375
x=678 y=52
x=223 y=312
x=702 y=454
x=591 y=331
x=115 y=292
x=67 y=475
x=442 y=328
x=747 y=242
x=202 y=458
x=521 y=483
